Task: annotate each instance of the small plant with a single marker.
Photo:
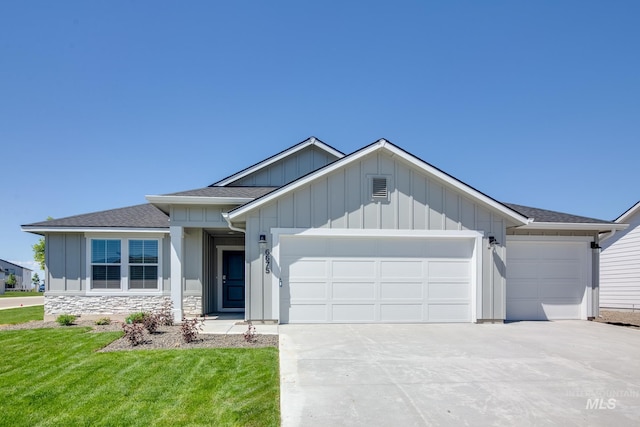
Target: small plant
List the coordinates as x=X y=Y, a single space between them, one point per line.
x=66 y=319
x=135 y=317
x=103 y=321
x=134 y=333
x=150 y=322
x=190 y=329
x=250 y=334
x=165 y=314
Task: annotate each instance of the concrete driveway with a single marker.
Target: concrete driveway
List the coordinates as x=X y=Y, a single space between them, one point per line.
x=525 y=373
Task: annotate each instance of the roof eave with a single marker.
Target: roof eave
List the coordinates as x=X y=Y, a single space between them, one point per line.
x=628 y=213
x=198 y=200
x=573 y=226
x=42 y=230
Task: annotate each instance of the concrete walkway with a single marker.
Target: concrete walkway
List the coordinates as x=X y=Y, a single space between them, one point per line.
x=15 y=302
x=566 y=373
x=233 y=323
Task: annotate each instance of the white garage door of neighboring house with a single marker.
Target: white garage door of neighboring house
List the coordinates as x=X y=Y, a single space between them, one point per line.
x=376 y=279
x=547 y=278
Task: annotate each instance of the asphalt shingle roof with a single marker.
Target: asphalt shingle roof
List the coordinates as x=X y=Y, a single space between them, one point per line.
x=543 y=215
x=139 y=216
x=248 y=192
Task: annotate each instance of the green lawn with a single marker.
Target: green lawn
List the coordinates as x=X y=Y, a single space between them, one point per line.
x=11 y=316
x=10 y=294
x=54 y=377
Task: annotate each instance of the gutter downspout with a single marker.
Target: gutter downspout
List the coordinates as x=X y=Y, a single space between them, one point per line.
x=247 y=307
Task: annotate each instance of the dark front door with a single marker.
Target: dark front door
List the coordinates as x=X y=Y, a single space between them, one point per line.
x=233 y=279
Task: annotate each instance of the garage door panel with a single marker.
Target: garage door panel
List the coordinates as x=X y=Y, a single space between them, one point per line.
x=449 y=291
x=308 y=313
x=558 y=269
x=401 y=269
x=402 y=290
x=449 y=313
x=551 y=284
x=349 y=247
x=306 y=268
x=401 y=313
x=353 y=313
x=449 y=269
x=351 y=268
x=353 y=290
x=307 y=290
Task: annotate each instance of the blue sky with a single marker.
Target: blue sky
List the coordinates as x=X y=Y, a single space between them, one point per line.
x=104 y=102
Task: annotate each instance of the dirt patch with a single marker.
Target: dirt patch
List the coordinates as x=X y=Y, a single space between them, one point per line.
x=630 y=319
x=166 y=337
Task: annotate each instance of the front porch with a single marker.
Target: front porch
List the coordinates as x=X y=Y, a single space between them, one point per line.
x=234 y=324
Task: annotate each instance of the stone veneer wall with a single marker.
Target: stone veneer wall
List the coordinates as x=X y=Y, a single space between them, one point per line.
x=107 y=304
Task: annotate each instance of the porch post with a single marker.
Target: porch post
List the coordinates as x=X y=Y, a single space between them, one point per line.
x=177 y=236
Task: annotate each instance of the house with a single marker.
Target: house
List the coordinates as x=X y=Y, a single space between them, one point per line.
x=620 y=264
x=311 y=235
x=1 y=281
x=22 y=274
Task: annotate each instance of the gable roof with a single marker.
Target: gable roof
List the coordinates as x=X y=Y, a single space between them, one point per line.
x=628 y=213
x=382 y=144
x=144 y=216
x=16 y=265
x=311 y=141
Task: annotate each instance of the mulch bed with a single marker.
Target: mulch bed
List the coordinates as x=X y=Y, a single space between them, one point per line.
x=630 y=319
x=166 y=337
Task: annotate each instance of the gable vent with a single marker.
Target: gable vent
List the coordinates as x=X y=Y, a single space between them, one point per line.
x=380 y=188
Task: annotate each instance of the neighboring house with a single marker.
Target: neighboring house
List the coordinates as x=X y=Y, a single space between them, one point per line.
x=23 y=275
x=620 y=264
x=1 y=281
x=311 y=235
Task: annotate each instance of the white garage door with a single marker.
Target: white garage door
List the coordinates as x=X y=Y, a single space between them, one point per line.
x=547 y=279
x=366 y=279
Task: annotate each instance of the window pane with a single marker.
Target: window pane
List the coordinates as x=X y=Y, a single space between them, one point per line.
x=143 y=277
x=113 y=251
x=151 y=251
x=98 y=251
x=136 y=251
x=105 y=277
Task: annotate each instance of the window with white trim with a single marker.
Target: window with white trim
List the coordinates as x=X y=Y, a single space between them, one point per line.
x=143 y=264
x=125 y=264
x=106 y=263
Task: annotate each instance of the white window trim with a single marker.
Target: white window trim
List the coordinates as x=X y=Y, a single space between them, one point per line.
x=124 y=264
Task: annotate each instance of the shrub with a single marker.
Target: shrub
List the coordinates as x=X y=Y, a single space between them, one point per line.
x=150 y=321
x=103 y=321
x=134 y=333
x=165 y=315
x=250 y=333
x=190 y=329
x=66 y=319
x=135 y=317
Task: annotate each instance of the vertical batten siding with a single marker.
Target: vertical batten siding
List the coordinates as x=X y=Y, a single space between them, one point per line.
x=342 y=200
x=65 y=262
x=620 y=268
x=288 y=169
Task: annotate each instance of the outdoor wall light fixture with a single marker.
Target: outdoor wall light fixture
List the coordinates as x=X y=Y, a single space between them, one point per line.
x=492 y=242
x=267 y=253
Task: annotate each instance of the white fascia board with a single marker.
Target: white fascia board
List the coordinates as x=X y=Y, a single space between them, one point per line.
x=629 y=213
x=40 y=230
x=380 y=144
x=573 y=226
x=271 y=160
x=197 y=200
